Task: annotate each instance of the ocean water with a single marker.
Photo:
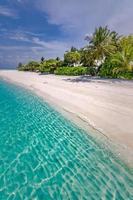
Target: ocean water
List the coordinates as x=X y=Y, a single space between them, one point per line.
x=44 y=156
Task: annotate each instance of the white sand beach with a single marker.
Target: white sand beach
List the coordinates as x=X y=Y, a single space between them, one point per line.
x=106 y=105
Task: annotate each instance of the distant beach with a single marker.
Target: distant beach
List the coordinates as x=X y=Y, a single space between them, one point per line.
x=106 y=105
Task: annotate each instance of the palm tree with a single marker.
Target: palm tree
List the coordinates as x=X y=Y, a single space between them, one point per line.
x=123 y=59
x=87 y=57
x=57 y=58
x=73 y=49
x=42 y=59
x=103 y=42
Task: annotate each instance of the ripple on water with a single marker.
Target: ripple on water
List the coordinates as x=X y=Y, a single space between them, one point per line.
x=45 y=156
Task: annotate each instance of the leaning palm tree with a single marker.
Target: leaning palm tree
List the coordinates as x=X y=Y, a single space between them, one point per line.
x=103 y=42
x=123 y=59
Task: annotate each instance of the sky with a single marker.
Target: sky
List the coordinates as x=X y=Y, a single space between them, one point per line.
x=30 y=29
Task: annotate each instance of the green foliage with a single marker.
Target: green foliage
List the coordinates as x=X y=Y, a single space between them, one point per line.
x=42 y=59
x=87 y=57
x=20 y=66
x=107 y=55
x=73 y=49
x=108 y=70
x=103 y=42
x=71 y=71
x=125 y=75
x=58 y=59
x=92 y=71
x=49 y=66
x=31 y=66
x=71 y=58
x=123 y=58
x=119 y=64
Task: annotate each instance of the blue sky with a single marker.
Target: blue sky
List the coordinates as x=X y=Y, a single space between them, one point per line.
x=30 y=29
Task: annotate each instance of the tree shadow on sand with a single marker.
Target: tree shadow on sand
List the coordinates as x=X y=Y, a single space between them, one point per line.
x=85 y=79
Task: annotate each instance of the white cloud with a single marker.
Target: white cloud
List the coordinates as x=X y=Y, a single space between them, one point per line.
x=11 y=55
x=79 y=17
x=121 y=19
x=76 y=16
x=19 y=37
x=5 y=11
x=53 y=45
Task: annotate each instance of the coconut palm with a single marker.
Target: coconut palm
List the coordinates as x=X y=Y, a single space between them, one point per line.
x=123 y=59
x=103 y=42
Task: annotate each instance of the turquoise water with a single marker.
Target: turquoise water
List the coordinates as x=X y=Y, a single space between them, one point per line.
x=43 y=156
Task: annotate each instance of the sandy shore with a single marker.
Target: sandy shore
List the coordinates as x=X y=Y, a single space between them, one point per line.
x=107 y=105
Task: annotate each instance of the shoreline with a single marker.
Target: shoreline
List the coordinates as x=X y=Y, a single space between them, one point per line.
x=64 y=91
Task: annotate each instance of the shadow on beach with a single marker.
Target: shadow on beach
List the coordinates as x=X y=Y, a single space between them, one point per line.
x=85 y=79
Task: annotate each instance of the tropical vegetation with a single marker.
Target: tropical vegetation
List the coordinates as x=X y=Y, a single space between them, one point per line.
x=71 y=71
x=107 y=54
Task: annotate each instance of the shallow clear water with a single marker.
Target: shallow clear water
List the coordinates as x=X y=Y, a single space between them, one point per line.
x=44 y=156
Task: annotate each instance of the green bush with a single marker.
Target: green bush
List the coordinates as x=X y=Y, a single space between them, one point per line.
x=31 y=66
x=92 y=71
x=71 y=71
x=125 y=75
x=71 y=58
x=49 y=66
x=44 y=68
x=107 y=71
